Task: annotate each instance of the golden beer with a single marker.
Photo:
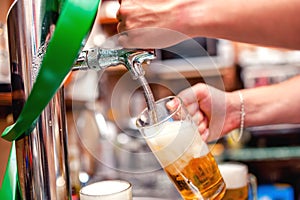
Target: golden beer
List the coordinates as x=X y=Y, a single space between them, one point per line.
x=236 y=193
x=187 y=161
x=237 y=181
x=200 y=175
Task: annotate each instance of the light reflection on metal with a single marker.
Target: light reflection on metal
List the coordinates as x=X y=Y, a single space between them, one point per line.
x=41 y=156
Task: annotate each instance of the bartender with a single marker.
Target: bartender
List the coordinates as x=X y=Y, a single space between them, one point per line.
x=153 y=24
x=260 y=22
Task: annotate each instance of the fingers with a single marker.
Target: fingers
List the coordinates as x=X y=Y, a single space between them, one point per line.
x=205 y=135
x=192 y=108
x=198 y=117
x=139 y=36
x=203 y=125
x=119 y=16
x=196 y=114
x=144 y=27
x=192 y=98
x=194 y=94
x=173 y=104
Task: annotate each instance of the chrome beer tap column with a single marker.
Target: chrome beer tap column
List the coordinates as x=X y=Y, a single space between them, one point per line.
x=42 y=157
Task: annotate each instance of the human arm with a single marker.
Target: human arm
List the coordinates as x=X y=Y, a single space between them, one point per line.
x=4 y=5
x=263 y=22
x=274 y=104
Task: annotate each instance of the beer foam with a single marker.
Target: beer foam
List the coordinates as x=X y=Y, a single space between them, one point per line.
x=176 y=141
x=235 y=175
x=103 y=188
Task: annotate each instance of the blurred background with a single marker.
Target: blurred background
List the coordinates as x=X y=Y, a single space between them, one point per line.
x=101 y=108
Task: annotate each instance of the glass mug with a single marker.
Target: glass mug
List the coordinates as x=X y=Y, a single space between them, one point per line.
x=107 y=190
x=238 y=181
x=180 y=150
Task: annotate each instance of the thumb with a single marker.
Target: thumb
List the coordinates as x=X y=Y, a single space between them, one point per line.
x=173 y=104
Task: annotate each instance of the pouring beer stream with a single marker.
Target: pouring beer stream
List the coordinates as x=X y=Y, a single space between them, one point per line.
x=132 y=59
x=176 y=143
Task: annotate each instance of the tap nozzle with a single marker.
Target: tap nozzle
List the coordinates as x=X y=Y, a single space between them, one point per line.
x=98 y=59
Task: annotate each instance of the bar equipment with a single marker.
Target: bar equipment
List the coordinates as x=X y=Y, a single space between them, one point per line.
x=42 y=155
x=100 y=58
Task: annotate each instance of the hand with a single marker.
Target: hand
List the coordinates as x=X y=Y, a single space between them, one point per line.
x=154 y=23
x=211 y=110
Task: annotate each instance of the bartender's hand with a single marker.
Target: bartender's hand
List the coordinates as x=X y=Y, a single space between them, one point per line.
x=156 y=23
x=215 y=112
x=230 y=19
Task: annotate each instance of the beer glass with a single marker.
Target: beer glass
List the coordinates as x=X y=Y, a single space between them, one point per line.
x=174 y=139
x=107 y=190
x=238 y=181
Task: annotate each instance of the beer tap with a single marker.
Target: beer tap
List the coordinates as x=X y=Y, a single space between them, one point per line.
x=99 y=59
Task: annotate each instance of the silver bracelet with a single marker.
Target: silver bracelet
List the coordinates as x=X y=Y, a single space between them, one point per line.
x=243 y=114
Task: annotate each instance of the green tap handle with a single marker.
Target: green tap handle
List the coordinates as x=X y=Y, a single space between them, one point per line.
x=9 y=189
x=73 y=25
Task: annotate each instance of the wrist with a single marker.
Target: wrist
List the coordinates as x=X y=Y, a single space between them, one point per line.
x=235 y=110
x=236 y=114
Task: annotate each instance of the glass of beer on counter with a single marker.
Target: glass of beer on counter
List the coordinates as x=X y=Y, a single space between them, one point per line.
x=238 y=181
x=175 y=141
x=107 y=190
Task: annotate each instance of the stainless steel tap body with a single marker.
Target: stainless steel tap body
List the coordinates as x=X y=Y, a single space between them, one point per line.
x=41 y=156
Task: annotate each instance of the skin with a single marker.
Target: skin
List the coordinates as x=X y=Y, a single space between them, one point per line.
x=4 y=5
x=263 y=106
x=158 y=24
x=261 y=22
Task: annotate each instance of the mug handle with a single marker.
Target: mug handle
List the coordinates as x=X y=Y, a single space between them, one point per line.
x=253 y=185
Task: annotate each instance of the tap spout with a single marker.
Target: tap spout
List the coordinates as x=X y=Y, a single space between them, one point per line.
x=99 y=59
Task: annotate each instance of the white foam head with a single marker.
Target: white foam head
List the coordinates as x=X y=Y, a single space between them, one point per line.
x=174 y=140
x=235 y=175
x=110 y=189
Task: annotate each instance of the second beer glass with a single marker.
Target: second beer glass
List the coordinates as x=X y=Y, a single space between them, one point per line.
x=239 y=182
x=185 y=157
x=107 y=190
